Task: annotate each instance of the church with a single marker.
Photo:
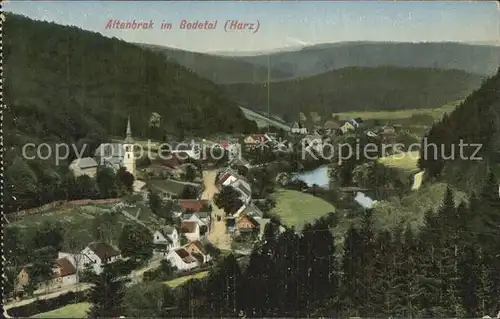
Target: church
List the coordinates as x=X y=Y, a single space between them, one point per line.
x=116 y=155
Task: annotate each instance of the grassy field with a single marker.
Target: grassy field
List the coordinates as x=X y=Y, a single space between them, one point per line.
x=171 y=187
x=405 y=161
x=436 y=113
x=296 y=208
x=78 y=224
x=181 y=280
x=77 y=310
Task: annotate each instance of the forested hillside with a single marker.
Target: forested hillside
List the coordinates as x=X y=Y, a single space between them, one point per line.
x=320 y=58
x=350 y=89
x=475 y=121
x=66 y=83
x=220 y=69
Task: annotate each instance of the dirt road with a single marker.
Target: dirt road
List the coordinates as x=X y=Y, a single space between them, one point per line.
x=217 y=235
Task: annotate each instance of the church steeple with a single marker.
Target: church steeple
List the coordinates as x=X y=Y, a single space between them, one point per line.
x=128 y=138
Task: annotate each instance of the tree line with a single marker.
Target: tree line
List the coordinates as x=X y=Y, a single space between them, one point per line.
x=35 y=182
x=449 y=267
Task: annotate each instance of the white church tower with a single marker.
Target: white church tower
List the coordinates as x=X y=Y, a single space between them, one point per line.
x=129 y=155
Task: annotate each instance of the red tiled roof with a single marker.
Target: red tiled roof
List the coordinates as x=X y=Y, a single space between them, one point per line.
x=192 y=204
x=224 y=144
x=66 y=267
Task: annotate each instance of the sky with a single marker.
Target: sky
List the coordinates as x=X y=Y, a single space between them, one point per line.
x=280 y=24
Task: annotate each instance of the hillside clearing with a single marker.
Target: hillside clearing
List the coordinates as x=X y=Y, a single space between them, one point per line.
x=406 y=161
x=78 y=222
x=77 y=310
x=296 y=208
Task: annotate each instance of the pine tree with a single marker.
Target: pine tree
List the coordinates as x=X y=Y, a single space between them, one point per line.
x=106 y=294
x=351 y=272
x=224 y=287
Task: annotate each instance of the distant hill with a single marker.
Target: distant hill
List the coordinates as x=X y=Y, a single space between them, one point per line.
x=316 y=59
x=356 y=89
x=67 y=83
x=218 y=68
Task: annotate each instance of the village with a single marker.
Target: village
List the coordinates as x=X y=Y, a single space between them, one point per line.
x=196 y=230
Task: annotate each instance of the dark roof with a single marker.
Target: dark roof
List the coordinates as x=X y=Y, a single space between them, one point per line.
x=66 y=267
x=103 y=250
x=189 y=226
x=182 y=252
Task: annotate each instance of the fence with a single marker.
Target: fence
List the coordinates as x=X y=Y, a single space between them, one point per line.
x=59 y=204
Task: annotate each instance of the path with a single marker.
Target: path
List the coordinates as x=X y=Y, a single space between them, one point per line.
x=217 y=235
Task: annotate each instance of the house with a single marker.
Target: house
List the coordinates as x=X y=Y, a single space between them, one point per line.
x=364 y=201
x=97 y=253
x=256 y=140
x=388 y=129
x=181 y=259
x=165 y=239
x=192 y=205
x=197 y=249
x=185 y=150
x=349 y=125
x=246 y=224
x=191 y=229
x=298 y=128
x=84 y=166
x=244 y=189
x=64 y=273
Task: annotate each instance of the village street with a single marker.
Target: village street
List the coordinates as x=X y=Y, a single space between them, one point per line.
x=217 y=235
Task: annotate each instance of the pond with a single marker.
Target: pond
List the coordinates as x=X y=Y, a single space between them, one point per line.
x=318 y=176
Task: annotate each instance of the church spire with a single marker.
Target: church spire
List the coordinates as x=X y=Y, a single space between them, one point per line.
x=128 y=138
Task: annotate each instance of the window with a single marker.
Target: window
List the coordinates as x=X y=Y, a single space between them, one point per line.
x=128 y=155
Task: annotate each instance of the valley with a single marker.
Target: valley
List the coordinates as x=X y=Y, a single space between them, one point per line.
x=289 y=182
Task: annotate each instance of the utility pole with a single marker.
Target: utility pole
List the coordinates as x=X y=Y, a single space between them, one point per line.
x=268 y=89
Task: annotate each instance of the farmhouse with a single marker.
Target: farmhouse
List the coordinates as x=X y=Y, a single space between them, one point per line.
x=181 y=259
x=84 y=166
x=198 y=250
x=64 y=273
x=97 y=253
